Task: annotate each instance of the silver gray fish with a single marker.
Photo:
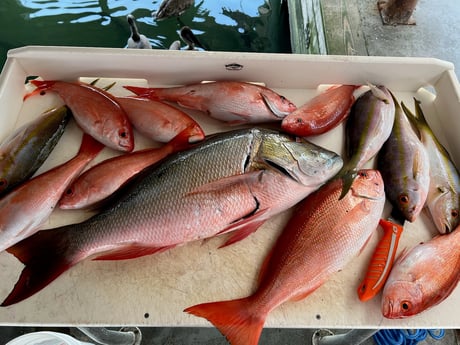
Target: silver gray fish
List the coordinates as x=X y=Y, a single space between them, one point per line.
x=443 y=194
x=405 y=168
x=232 y=181
x=368 y=127
x=23 y=152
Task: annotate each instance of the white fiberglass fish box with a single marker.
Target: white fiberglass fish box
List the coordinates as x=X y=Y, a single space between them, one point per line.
x=154 y=290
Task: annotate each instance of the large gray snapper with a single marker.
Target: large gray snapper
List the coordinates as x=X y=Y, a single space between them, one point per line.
x=232 y=181
x=443 y=195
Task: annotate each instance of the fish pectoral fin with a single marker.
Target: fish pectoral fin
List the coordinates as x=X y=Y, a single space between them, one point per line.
x=226 y=182
x=244 y=227
x=131 y=252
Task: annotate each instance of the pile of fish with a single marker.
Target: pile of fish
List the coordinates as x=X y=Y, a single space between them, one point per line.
x=196 y=186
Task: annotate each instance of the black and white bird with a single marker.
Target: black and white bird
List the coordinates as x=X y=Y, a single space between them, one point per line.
x=187 y=35
x=172 y=8
x=136 y=40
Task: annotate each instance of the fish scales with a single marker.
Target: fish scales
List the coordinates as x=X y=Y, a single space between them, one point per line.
x=170 y=183
x=224 y=184
x=303 y=258
x=422 y=277
x=405 y=167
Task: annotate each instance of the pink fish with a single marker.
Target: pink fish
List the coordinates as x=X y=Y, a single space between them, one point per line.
x=422 y=277
x=27 y=207
x=159 y=121
x=230 y=101
x=321 y=237
x=95 y=110
x=102 y=180
x=321 y=113
x=231 y=181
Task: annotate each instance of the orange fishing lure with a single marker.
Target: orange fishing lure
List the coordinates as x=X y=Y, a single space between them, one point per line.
x=381 y=262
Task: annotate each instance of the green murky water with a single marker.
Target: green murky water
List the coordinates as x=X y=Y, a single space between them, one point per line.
x=221 y=25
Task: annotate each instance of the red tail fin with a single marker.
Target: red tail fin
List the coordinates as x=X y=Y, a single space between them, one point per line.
x=233 y=319
x=41 y=87
x=186 y=138
x=45 y=258
x=142 y=91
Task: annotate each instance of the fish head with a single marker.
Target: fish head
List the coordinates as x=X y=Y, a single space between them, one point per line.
x=401 y=299
x=411 y=200
x=119 y=136
x=444 y=210
x=279 y=105
x=368 y=184
x=301 y=160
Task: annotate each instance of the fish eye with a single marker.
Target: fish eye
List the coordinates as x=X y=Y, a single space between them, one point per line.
x=69 y=191
x=122 y=134
x=405 y=305
x=454 y=213
x=3 y=183
x=363 y=174
x=404 y=199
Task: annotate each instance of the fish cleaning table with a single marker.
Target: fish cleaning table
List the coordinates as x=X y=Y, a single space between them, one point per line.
x=154 y=290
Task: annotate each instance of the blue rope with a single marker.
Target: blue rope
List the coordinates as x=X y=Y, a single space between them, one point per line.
x=405 y=337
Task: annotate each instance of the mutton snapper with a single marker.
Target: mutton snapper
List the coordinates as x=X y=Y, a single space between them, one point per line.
x=232 y=181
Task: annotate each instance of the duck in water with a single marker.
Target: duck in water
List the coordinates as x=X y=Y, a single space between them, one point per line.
x=172 y=8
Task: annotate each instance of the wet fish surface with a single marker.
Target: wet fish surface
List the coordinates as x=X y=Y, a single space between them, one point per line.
x=321 y=113
x=443 y=200
x=304 y=257
x=405 y=167
x=368 y=127
x=231 y=101
x=95 y=110
x=232 y=181
x=422 y=277
x=36 y=139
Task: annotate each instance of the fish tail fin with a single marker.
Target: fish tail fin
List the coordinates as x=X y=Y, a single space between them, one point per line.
x=45 y=258
x=347 y=176
x=90 y=147
x=41 y=86
x=418 y=119
x=142 y=91
x=186 y=137
x=233 y=319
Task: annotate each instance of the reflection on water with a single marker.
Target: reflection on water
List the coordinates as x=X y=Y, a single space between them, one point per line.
x=221 y=25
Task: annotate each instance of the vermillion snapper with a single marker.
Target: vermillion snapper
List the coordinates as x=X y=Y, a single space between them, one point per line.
x=28 y=206
x=422 y=277
x=322 y=112
x=304 y=256
x=95 y=110
x=234 y=102
x=232 y=181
